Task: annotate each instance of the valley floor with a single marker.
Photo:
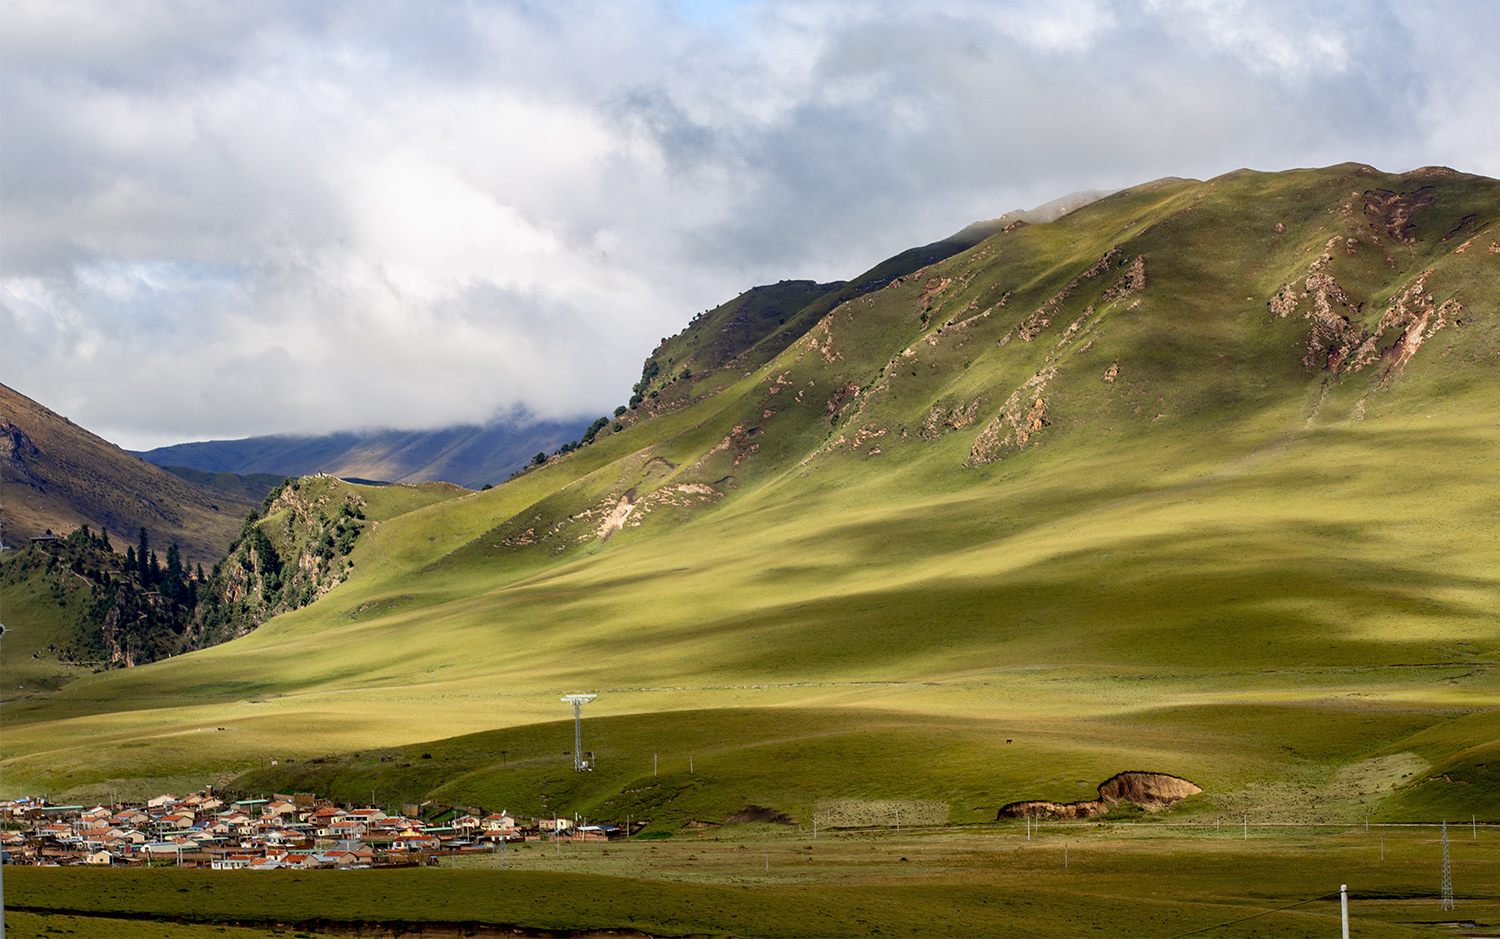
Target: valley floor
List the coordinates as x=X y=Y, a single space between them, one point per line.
x=1064 y=879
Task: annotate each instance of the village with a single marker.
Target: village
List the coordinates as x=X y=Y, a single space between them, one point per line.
x=296 y=830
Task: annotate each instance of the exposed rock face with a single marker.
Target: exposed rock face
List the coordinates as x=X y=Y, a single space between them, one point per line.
x=1151 y=791
x=1148 y=790
x=758 y=813
x=1041 y=808
x=940 y=420
x=1024 y=413
x=1391 y=212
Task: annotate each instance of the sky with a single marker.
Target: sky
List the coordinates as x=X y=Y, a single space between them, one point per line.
x=224 y=219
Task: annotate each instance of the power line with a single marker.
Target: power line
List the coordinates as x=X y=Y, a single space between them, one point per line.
x=1326 y=896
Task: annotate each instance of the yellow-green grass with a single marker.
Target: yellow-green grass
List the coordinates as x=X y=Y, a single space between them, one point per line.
x=666 y=769
x=971 y=603
x=1216 y=532
x=21 y=924
x=1119 y=880
x=39 y=613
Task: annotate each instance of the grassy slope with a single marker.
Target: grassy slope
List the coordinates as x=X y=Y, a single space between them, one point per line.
x=1206 y=566
x=38 y=613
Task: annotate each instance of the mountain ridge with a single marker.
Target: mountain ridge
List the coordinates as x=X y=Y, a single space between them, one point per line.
x=468 y=455
x=473 y=455
x=57 y=475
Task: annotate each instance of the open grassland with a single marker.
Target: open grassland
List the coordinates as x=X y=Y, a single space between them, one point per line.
x=765 y=880
x=843 y=574
x=47 y=925
x=1147 y=608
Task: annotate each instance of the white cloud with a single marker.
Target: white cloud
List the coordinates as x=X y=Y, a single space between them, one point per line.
x=232 y=219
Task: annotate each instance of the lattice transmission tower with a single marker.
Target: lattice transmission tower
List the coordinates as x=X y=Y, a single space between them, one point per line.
x=1447 y=871
x=578 y=701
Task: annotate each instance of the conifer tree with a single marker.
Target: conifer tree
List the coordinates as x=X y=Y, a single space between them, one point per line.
x=142 y=552
x=172 y=582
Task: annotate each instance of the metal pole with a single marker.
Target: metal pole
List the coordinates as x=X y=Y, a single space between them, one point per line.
x=1344 y=907
x=1065 y=862
x=653 y=764
x=577 y=734
x=1382 y=848
x=1246 y=821
x=768 y=861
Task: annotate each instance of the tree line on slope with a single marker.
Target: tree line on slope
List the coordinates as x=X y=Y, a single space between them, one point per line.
x=134 y=608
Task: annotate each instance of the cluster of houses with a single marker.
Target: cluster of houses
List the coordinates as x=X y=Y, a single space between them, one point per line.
x=286 y=831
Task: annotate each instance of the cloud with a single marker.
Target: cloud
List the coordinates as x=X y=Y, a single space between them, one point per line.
x=232 y=219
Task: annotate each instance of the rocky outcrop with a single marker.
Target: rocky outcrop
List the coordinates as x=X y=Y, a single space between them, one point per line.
x=941 y=420
x=1150 y=791
x=1023 y=414
x=1390 y=213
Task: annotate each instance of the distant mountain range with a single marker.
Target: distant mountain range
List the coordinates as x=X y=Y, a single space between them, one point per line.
x=469 y=456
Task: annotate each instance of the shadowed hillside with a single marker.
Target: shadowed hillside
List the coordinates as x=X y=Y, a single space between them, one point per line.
x=58 y=475
x=1195 y=480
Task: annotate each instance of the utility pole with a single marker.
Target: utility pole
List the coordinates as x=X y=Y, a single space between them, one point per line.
x=1344 y=907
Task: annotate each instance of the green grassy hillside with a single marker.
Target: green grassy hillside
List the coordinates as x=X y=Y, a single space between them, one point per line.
x=1197 y=479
